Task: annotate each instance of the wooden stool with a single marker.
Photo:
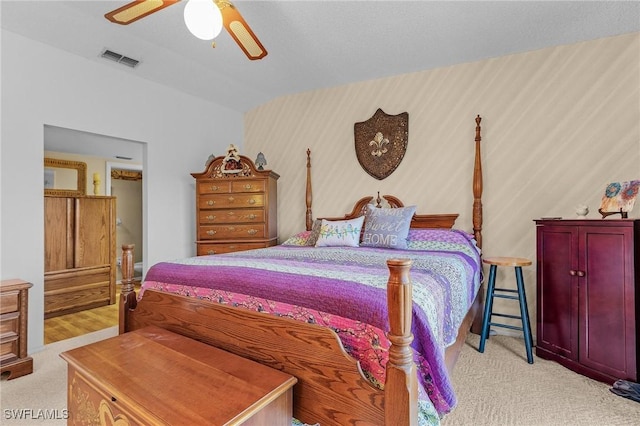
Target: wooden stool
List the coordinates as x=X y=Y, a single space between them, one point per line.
x=518 y=263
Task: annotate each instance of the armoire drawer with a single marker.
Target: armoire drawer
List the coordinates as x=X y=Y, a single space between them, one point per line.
x=222 y=232
x=72 y=290
x=9 y=324
x=210 y=217
x=248 y=186
x=8 y=349
x=233 y=201
x=221 y=187
x=75 y=278
x=9 y=302
x=221 y=248
x=214 y=187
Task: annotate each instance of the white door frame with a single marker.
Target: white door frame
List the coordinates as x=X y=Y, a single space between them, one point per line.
x=113 y=165
x=107 y=190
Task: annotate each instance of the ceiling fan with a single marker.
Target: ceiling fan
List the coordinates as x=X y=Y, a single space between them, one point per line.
x=204 y=18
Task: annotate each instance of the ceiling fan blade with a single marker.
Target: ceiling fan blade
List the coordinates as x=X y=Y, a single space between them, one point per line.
x=137 y=10
x=240 y=31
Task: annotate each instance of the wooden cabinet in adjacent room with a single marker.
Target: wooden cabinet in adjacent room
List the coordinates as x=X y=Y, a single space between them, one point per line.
x=80 y=262
x=14 y=308
x=236 y=209
x=588 y=283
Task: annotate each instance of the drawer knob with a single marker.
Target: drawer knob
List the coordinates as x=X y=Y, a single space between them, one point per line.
x=252 y=201
x=581 y=273
x=214 y=187
x=247 y=186
x=210 y=202
x=211 y=232
x=211 y=217
x=252 y=231
x=252 y=216
x=211 y=251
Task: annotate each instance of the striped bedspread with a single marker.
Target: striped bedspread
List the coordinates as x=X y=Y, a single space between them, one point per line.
x=345 y=288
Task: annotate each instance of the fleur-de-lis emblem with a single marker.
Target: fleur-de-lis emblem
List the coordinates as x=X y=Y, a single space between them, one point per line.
x=379 y=142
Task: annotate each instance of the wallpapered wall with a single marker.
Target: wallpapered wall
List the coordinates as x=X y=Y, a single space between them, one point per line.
x=558 y=125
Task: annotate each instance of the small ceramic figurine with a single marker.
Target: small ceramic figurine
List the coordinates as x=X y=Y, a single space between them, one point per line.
x=232 y=163
x=582 y=210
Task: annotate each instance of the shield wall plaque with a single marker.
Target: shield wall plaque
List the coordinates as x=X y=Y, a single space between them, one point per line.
x=381 y=142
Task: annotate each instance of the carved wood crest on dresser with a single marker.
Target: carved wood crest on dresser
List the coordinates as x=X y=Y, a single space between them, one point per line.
x=236 y=210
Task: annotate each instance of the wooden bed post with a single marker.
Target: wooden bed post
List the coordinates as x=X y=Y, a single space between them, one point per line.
x=476 y=327
x=127 y=293
x=309 y=197
x=401 y=386
x=477 y=188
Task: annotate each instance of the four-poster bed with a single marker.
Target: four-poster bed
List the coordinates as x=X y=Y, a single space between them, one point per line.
x=331 y=388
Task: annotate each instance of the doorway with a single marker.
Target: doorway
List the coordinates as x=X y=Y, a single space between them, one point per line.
x=99 y=151
x=124 y=181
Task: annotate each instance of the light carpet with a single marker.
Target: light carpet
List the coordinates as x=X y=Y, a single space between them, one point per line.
x=46 y=388
x=498 y=387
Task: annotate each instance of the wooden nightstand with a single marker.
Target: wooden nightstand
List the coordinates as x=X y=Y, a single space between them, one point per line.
x=153 y=376
x=14 y=301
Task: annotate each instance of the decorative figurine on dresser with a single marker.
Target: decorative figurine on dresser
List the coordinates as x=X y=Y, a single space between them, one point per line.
x=236 y=205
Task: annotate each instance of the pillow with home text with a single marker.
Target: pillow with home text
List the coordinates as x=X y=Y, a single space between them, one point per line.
x=387 y=227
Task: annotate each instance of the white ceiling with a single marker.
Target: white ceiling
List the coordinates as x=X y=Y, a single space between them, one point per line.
x=315 y=44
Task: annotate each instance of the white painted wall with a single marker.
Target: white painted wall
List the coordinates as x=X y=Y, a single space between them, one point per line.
x=43 y=85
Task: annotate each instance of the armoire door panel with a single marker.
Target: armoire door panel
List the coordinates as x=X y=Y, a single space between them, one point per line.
x=59 y=233
x=93 y=232
x=557 y=297
x=606 y=310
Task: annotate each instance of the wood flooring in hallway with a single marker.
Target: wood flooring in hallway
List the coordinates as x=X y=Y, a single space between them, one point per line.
x=79 y=323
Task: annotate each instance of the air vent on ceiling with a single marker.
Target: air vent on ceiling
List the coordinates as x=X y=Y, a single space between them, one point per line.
x=121 y=59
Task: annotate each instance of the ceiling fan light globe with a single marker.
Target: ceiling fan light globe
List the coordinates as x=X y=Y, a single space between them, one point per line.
x=203 y=19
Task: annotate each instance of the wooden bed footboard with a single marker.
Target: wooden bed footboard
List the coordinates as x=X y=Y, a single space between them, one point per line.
x=331 y=388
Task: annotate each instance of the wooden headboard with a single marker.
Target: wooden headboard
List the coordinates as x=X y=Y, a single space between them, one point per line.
x=418 y=221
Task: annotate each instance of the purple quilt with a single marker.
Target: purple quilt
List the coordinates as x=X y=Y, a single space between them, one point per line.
x=337 y=284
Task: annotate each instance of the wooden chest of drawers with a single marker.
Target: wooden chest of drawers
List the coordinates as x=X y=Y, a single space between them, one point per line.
x=182 y=382
x=235 y=210
x=13 y=328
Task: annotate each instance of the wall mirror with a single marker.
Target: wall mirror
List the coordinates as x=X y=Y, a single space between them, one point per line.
x=64 y=177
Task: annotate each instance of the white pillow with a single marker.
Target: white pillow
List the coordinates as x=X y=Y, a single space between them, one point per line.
x=340 y=233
